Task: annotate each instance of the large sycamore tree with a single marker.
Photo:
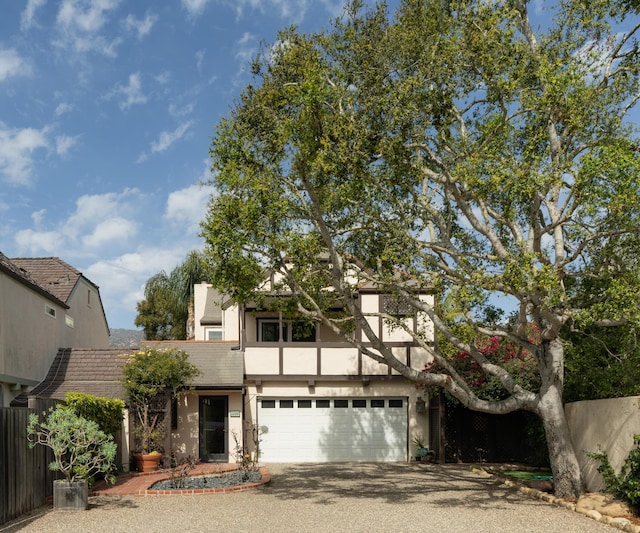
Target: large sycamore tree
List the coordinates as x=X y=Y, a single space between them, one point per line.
x=452 y=145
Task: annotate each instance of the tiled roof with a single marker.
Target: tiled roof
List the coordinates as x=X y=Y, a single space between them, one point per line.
x=92 y=371
x=8 y=266
x=52 y=273
x=221 y=365
x=98 y=371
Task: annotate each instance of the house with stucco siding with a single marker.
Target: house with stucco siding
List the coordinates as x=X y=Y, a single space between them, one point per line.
x=45 y=304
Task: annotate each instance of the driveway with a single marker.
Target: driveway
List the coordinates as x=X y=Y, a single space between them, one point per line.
x=351 y=497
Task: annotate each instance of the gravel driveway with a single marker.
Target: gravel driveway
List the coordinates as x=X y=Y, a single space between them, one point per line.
x=351 y=497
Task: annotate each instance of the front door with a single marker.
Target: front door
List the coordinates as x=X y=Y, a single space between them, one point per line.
x=213 y=429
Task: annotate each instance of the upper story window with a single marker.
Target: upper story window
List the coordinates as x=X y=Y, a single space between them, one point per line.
x=68 y=320
x=269 y=330
x=213 y=333
x=396 y=306
x=49 y=311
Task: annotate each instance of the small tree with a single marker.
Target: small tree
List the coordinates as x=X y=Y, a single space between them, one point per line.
x=151 y=376
x=80 y=449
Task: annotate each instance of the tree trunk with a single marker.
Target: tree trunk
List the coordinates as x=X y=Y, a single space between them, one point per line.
x=191 y=322
x=567 y=478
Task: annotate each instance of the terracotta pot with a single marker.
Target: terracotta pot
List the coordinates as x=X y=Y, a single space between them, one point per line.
x=147 y=462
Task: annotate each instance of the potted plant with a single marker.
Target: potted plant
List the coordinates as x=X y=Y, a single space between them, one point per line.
x=421 y=450
x=80 y=450
x=150 y=378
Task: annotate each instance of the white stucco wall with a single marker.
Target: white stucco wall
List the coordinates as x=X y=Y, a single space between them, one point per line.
x=607 y=424
x=185 y=439
x=30 y=338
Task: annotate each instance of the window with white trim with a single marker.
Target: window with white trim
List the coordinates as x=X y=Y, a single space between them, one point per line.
x=213 y=333
x=49 y=311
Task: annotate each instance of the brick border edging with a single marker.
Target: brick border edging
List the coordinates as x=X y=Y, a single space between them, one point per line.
x=264 y=480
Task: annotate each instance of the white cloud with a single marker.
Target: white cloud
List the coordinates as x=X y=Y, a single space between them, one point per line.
x=290 y=10
x=163 y=78
x=194 y=7
x=63 y=108
x=188 y=205
x=116 y=229
x=106 y=221
x=38 y=216
x=80 y=23
x=130 y=94
x=16 y=152
x=11 y=64
x=180 y=112
x=142 y=27
x=27 y=17
x=95 y=208
x=101 y=237
x=166 y=139
x=39 y=242
x=121 y=279
x=64 y=143
x=199 y=59
x=246 y=47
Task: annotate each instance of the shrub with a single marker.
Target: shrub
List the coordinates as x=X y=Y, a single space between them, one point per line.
x=80 y=448
x=625 y=485
x=106 y=412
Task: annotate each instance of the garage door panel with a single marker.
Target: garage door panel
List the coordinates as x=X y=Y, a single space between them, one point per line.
x=318 y=434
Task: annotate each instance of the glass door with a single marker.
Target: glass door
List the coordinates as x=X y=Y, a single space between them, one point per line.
x=213 y=429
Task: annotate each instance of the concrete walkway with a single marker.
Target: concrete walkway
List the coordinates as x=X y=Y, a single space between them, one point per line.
x=332 y=498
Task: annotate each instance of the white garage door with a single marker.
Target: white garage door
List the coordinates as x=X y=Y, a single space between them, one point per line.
x=333 y=429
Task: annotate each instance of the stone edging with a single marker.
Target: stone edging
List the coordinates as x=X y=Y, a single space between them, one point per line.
x=264 y=480
x=620 y=523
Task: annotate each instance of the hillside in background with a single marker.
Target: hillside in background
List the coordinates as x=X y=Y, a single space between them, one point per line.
x=125 y=338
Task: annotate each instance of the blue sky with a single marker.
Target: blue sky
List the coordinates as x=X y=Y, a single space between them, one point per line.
x=107 y=108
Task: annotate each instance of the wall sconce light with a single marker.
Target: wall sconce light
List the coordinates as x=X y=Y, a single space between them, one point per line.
x=421 y=406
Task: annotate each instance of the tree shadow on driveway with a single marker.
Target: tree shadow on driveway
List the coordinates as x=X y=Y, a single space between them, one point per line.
x=397 y=483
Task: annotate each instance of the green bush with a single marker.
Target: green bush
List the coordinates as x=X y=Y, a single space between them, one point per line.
x=106 y=412
x=625 y=485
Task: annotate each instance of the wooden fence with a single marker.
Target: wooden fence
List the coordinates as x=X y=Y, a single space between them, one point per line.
x=25 y=478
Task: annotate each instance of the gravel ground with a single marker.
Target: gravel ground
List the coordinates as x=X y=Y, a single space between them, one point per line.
x=332 y=498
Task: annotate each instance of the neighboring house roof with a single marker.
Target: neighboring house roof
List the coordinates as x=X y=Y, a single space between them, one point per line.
x=92 y=371
x=58 y=277
x=221 y=363
x=24 y=276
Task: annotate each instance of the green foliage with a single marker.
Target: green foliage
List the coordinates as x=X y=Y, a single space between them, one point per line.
x=166 y=313
x=161 y=317
x=602 y=362
x=458 y=147
x=80 y=448
x=106 y=412
x=152 y=376
x=626 y=484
